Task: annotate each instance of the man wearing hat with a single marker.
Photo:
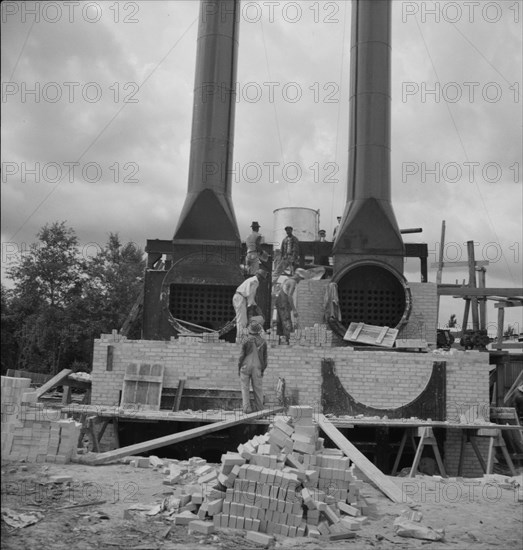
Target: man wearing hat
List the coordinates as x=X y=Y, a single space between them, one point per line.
x=251 y=366
x=290 y=251
x=336 y=228
x=244 y=297
x=254 y=250
x=285 y=307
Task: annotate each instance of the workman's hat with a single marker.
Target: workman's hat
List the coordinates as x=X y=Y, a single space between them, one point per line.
x=322 y=231
x=254 y=327
x=262 y=272
x=339 y=218
x=288 y=227
x=255 y=224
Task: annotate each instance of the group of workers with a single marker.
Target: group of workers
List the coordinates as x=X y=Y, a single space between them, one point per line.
x=249 y=319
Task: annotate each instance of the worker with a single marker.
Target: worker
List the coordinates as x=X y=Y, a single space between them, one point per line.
x=251 y=366
x=244 y=297
x=336 y=228
x=287 y=314
x=290 y=252
x=254 y=250
x=321 y=259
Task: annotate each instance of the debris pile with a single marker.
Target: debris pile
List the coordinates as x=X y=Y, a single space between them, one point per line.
x=284 y=482
x=29 y=431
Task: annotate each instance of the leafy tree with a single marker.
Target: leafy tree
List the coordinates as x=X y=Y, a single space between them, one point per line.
x=115 y=279
x=61 y=301
x=9 y=341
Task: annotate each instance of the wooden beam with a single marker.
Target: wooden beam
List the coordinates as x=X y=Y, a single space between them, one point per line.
x=137 y=448
x=179 y=392
x=509 y=303
x=461 y=291
x=517 y=382
x=472 y=284
x=384 y=484
x=439 y=274
x=55 y=381
x=478 y=263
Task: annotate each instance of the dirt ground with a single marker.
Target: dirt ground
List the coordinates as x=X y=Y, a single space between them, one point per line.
x=477 y=514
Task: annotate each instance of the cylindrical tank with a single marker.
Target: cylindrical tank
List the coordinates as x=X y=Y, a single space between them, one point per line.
x=304 y=221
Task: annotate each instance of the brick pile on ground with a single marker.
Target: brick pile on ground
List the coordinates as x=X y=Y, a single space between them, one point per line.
x=280 y=483
x=29 y=431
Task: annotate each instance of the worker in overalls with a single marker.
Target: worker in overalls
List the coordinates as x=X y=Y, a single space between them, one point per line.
x=251 y=366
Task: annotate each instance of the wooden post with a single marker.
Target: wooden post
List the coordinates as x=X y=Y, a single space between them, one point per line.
x=482 y=301
x=472 y=284
x=439 y=274
x=501 y=320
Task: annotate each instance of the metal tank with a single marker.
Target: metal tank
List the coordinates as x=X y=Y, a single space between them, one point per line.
x=304 y=221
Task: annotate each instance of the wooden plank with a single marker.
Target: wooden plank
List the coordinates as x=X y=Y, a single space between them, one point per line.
x=479 y=263
x=381 y=335
x=179 y=392
x=142 y=386
x=133 y=314
x=356 y=333
x=55 y=381
x=460 y=291
x=138 y=448
x=371 y=334
x=509 y=303
x=517 y=382
x=384 y=484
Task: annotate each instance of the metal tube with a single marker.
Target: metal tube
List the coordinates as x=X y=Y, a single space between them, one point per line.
x=208 y=212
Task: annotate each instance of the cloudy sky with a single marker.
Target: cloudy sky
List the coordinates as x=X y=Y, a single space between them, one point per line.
x=97 y=107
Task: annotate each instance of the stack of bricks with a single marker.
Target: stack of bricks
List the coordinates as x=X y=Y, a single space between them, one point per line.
x=281 y=483
x=317 y=336
x=30 y=432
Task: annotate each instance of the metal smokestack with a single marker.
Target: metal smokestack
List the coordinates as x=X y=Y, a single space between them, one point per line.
x=369 y=251
x=369 y=229
x=208 y=213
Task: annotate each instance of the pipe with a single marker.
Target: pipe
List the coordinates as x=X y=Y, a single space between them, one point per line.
x=208 y=212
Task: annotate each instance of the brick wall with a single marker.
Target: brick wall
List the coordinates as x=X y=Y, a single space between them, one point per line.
x=376 y=378
x=422 y=323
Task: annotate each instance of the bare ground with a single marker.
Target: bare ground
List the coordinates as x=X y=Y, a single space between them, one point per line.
x=474 y=514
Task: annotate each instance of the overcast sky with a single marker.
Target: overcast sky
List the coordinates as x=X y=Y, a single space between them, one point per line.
x=108 y=86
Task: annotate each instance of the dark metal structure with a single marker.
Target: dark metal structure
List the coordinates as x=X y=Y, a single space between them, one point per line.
x=193 y=278
x=368 y=250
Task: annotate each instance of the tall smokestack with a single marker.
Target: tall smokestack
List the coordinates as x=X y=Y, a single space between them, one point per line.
x=369 y=251
x=369 y=229
x=208 y=213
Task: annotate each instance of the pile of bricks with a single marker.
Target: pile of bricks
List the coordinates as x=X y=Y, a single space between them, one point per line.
x=317 y=336
x=31 y=432
x=281 y=483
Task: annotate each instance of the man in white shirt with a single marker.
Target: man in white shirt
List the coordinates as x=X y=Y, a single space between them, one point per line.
x=253 y=242
x=244 y=297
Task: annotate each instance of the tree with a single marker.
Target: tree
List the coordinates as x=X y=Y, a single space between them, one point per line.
x=115 y=278
x=47 y=288
x=61 y=301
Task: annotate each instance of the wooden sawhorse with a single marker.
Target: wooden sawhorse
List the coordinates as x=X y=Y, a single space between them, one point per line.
x=426 y=436
x=496 y=441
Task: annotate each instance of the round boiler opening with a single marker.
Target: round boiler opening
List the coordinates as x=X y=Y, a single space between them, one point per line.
x=374 y=295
